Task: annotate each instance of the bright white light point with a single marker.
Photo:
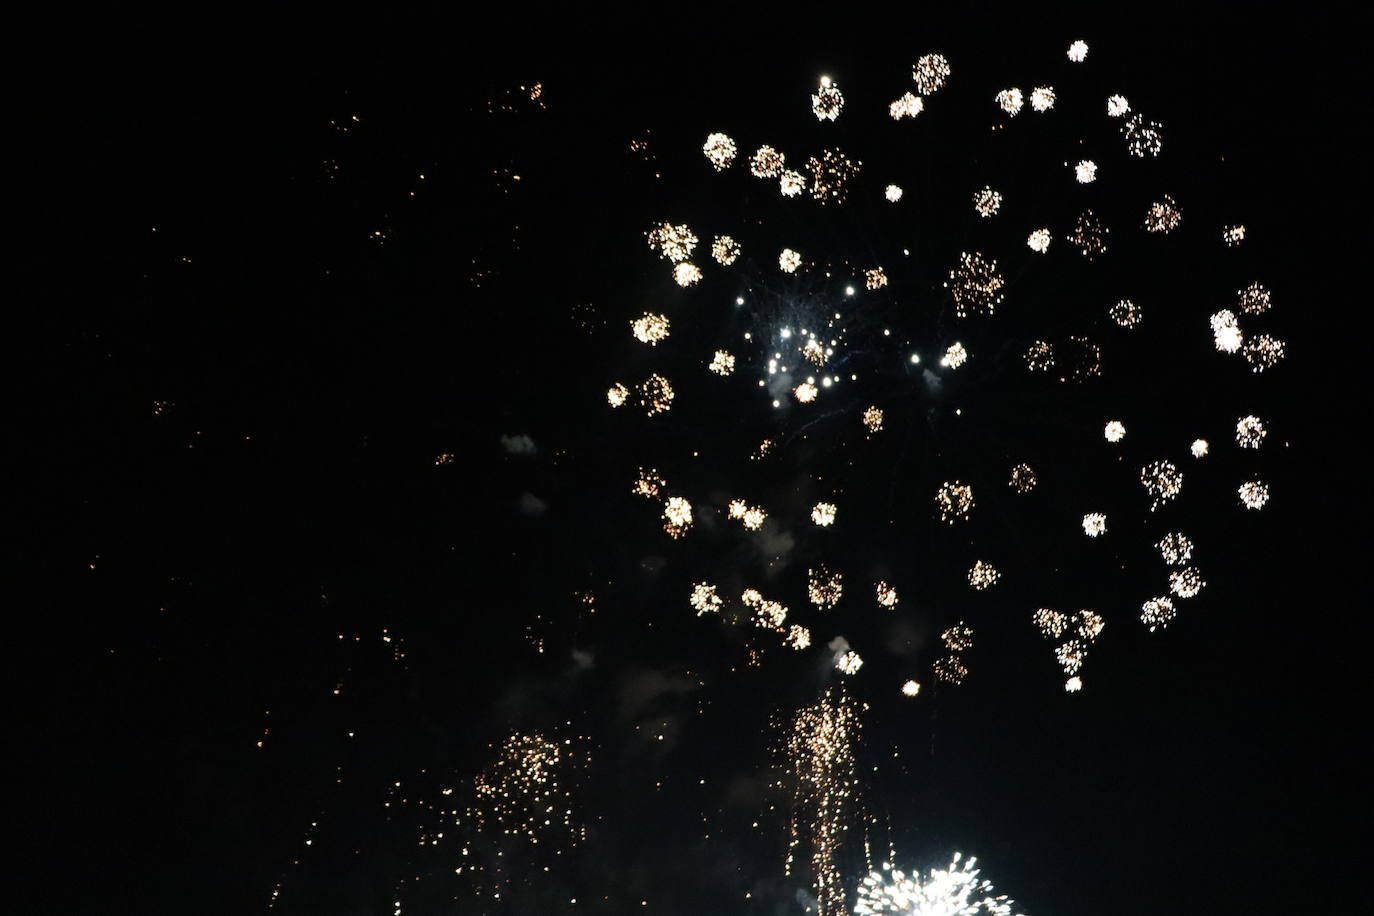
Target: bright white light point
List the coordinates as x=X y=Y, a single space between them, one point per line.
x=893 y=193
x=1039 y=240
x=1085 y=171
x=1117 y=106
x=785 y=333
x=1078 y=51
x=915 y=358
x=955 y=356
x=849 y=290
x=849 y=663
x=1114 y=431
x=1094 y=523
x=739 y=300
x=1073 y=684
x=1199 y=448
x=824 y=514
x=910 y=689
x=789 y=260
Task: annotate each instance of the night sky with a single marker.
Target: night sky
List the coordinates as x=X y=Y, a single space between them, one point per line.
x=322 y=498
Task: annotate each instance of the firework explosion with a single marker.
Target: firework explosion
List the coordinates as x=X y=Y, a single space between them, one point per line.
x=953 y=891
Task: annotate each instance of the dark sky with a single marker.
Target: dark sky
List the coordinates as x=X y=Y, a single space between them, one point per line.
x=254 y=328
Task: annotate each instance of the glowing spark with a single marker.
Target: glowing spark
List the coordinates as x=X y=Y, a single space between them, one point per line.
x=720 y=149
x=1199 y=448
x=1126 y=313
x=954 y=500
x=798 y=637
x=806 y=392
x=650 y=328
x=616 y=395
x=1089 y=235
x=791 y=183
x=830 y=175
x=677 y=516
x=824 y=587
x=648 y=484
x=873 y=419
x=823 y=514
x=827 y=101
x=1114 y=431
x=1039 y=241
x=655 y=395
x=1253 y=494
x=722 y=363
x=1073 y=684
x=687 y=274
x=673 y=243
x=875 y=278
x=1094 y=524
x=958 y=638
x=1254 y=299
x=1085 y=171
x=1078 y=51
x=1143 y=136
x=725 y=250
x=1233 y=235
x=893 y=193
x=1226 y=331
x=1117 y=106
x=885 y=594
x=982 y=575
x=849 y=663
x=1051 y=623
x=1162 y=480
x=910 y=689
x=1263 y=352
x=789 y=260
x=1042 y=98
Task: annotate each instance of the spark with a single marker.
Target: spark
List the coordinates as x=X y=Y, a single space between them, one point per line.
x=987 y=202
x=830 y=176
x=1143 y=137
x=1226 y=331
x=1073 y=684
x=893 y=193
x=806 y=392
x=1009 y=100
x=824 y=587
x=849 y=663
x=1117 y=106
x=798 y=637
x=725 y=250
x=722 y=363
x=648 y=484
x=704 y=598
x=1114 y=431
x=823 y=514
x=873 y=419
x=1263 y=352
x=958 y=638
x=1199 y=448
x=672 y=242
x=789 y=260
x=1254 y=299
x=955 y=356
x=1126 y=313
x=1078 y=51
x=1233 y=235
x=1022 y=478
x=687 y=274
x=910 y=689
x=908 y=106
x=1094 y=524
x=616 y=394
x=885 y=594
x=1042 y=98
x=1085 y=172
x=1089 y=235
x=655 y=395
x=791 y=183
x=677 y=516
x=950 y=670
x=1039 y=241
x=875 y=278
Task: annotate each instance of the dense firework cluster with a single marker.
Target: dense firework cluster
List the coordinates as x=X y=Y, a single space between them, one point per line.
x=953 y=891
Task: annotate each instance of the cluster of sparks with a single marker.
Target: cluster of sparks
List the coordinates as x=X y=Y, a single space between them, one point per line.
x=953 y=891
x=1081 y=628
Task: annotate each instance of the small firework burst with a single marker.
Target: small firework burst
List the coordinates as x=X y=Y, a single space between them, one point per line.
x=983 y=575
x=1143 y=136
x=823 y=514
x=885 y=594
x=1042 y=98
x=908 y=106
x=1157 y=613
x=806 y=392
x=849 y=662
x=1089 y=235
x=1163 y=216
x=950 y=670
x=1253 y=494
x=976 y=285
x=1078 y=51
x=1040 y=356
x=725 y=250
x=1070 y=655
x=1094 y=524
x=791 y=183
x=704 y=598
x=672 y=242
x=1085 y=172
x=1114 y=431
x=987 y=202
x=1199 y=448
x=827 y=101
x=1118 y=107
x=831 y=173
x=686 y=274
x=893 y=193
x=1073 y=684
x=1050 y=623
x=722 y=363
x=910 y=689
x=1254 y=299
x=766 y=163
x=1263 y=352
x=789 y=260
x=1162 y=480
x=648 y=484
x=873 y=419
x=1126 y=313
x=655 y=395
x=1010 y=101
x=616 y=394
x=930 y=73
x=1022 y=478
x=955 y=356
x=1233 y=235
x=953 y=891
x=677 y=516
x=1175 y=548
x=1039 y=241
x=1186 y=582
x=720 y=150
x=824 y=587
x=1250 y=432
x=954 y=500
x=874 y=278
x=798 y=637
x=650 y=328
x=1226 y=331
x=958 y=638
